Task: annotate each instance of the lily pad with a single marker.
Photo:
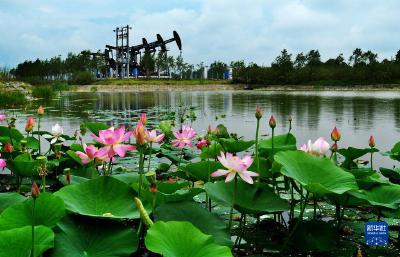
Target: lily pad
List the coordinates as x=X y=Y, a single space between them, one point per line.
x=95 y=127
x=24 y=165
x=209 y=223
x=80 y=237
x=318 y=175
x=103 y=197
x=211 y=151
x=202 y=170
x=49 y=209
x=232 y=145
x=384 y=195
x=17 y=242
x=352 y=153
x=392 y=175
x=182 y=239
x=282 y=142
x=250 y=198
x=8 y=199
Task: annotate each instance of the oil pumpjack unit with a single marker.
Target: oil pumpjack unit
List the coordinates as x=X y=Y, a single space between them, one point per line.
x=123 y=60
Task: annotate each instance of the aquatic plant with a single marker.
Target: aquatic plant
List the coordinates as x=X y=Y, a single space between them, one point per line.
x=195 y=197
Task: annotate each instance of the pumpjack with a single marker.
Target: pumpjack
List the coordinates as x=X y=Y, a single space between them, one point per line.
x=123 y=60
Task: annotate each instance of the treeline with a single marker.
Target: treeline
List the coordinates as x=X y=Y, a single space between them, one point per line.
x=75 y=67
x=360 y=68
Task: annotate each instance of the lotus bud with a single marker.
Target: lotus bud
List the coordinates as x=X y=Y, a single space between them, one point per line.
x=335 y=135
x=143 y=213
x=258 y=113
x=153 y=188
x=143 y=118
x=290 y=118
x=371 y=142
x=209 y=129
x=334 y=147
x=201 y=143
x=30 y=123
x=8 y=148
x=35 y=190
x=40 y=110
x=272 y=122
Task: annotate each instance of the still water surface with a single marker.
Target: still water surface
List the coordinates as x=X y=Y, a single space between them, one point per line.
x=357 y=114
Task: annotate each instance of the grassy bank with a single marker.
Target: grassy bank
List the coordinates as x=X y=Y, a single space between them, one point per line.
x=159 y=82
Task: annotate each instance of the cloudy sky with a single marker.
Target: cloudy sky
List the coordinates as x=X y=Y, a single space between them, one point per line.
x=250 y=30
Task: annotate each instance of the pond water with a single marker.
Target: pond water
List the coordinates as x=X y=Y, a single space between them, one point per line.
x=357 y=114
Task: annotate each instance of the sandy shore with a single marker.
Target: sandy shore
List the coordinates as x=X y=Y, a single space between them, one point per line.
x=225 y=87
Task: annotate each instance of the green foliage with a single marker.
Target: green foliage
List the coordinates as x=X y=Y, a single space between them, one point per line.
x=49 y=209
x=8 y=199
x=17 y=242
x=317 y=175
x=80 y=237
x=250 y=199
x=45 y=92
x=12 y=98
x=182 y=239
x=103 y=197
x=82 y=78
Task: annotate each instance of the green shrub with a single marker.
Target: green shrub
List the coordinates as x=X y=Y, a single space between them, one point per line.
x=46 y=92
x=12 y=98
x=60 y=86
x=82 y=78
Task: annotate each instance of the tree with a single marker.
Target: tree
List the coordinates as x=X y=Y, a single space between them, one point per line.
x=147 y=63
x=313 y=58
x=300 y=61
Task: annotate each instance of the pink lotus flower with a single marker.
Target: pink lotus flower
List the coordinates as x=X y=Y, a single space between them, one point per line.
x=143 y=118
x=3 y=163
x=184 y=138
x=235 y=165
x=319 y=148
x=151 y=137
x=30 y=123
x=89 y=154
x=139 y=133
x=2 y=117
x=113 y=139
x=201 y=143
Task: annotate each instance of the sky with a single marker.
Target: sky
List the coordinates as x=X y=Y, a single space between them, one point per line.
x=225 y=30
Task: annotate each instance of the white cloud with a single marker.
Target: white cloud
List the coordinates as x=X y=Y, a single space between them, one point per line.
x=253 y=30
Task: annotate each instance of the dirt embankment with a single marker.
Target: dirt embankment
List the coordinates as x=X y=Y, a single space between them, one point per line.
x=155 y=88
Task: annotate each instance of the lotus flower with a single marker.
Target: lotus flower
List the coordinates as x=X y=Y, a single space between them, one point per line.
x=335 y=135
x=35 y=190
x=201 y=143
x=8 y=148
x=30 y=123
x=113 y=139
x=2 y=117
x=184 y=138
x=40 y=110
x=319 y=148
x=89 y=154
x=272 y=122
x=371 y=141
x=258 y=113
x=151 y=137
x=139 y=133
x=3 y=163
x=143 y=118
x=235 y=165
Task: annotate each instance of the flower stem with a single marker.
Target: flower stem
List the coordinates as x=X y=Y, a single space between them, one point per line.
x=233 y=204
x=257 y=160
x=44 y=184
x=151 y=149
x=140 y=170
x=38 y=129
x=272 y=154
x=372 y=167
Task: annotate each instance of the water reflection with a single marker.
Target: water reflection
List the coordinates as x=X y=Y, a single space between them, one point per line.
x=357 y=114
